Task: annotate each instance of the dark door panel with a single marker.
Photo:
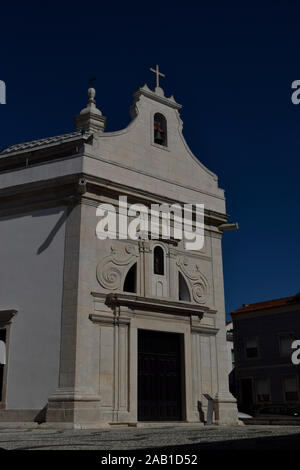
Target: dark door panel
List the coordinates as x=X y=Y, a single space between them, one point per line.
x=159 y=376
x=247 y=395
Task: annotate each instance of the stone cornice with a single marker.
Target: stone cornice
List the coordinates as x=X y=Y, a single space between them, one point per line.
x=145 y=197
x=48 y=193
x=91 y=189
x=135 y=302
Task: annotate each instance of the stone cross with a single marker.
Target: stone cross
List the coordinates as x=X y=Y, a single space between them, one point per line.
x=158 y=74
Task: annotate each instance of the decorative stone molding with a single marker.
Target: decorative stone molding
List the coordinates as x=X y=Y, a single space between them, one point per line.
x=6 y=316
x=135 y=302
x=64 y=395
x=112 y=269
x=144 y=246
x=105 y=320
x=199 y=285
x=172 y=253
x=159 y=97
x=82 y=185
x=90 y=118
x=204 y=330
x=200 y=325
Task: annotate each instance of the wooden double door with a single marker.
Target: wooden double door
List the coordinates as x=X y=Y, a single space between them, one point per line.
x=160 y=376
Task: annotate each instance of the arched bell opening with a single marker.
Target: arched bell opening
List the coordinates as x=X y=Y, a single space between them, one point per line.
x=160 y=130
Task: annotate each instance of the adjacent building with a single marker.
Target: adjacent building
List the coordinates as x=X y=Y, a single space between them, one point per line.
x=265 y=379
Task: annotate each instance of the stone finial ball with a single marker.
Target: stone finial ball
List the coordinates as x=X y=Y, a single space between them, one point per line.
x=91 y=92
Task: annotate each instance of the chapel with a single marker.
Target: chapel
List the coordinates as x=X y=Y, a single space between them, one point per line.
x=95 y=332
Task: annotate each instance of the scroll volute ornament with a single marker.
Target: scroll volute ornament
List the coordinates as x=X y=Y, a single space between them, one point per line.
x=111 y=270
x=198 y=283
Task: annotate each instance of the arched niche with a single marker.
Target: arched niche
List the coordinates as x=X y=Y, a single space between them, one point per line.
x=130 y=279
x=183 y=289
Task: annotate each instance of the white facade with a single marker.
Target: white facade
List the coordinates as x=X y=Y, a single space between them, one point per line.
x=99 y=378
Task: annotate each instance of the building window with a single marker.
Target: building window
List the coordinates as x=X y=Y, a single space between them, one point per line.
x=160 y=129
x=130 y=280
x=285 y=344
x=262 y=390
x=184 y=293
x=290 y=386
x=158 y=261
x=251 y=348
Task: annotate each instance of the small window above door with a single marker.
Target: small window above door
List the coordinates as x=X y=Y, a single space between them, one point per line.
x=159 y=261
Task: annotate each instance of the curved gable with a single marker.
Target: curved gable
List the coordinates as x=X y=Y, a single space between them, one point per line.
x=135 y=146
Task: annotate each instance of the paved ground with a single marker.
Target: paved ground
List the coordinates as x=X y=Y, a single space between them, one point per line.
x=175 y=438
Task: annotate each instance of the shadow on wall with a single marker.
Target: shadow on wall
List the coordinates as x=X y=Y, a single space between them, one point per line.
x=38 y=213
x=55 y=229
x=41 y=416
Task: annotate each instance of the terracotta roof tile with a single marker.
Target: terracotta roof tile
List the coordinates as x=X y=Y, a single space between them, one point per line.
x=268 y=304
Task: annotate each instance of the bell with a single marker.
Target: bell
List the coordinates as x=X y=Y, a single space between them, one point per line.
x=158 y=137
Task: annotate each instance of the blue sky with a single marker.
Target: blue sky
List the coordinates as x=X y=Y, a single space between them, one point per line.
x=231 y=67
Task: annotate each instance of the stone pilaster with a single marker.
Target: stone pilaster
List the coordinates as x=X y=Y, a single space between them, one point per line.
x=76 y=402
x=225 y=403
